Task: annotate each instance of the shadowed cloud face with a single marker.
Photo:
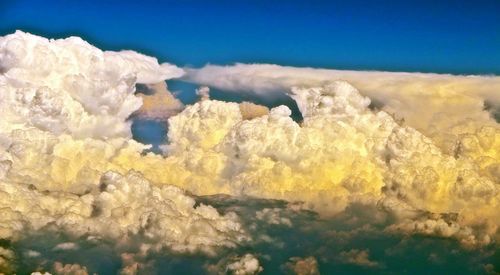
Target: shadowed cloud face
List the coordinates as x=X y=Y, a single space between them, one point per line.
x=291 y=241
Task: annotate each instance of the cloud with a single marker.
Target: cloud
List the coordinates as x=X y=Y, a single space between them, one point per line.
x=447 y=158
x=159 y=105
x=73 y=269
x=273 y=216
x=66 y=246
x=302 y=266
x=124 y=206
x=247 y=264
x=250 y=110
x=441 y=228
x=7 y=257
x=203 y=92
x=75 y=89
x=267 y=78
x=357 y=257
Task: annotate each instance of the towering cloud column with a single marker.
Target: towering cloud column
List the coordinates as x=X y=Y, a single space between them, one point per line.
x=64 y=109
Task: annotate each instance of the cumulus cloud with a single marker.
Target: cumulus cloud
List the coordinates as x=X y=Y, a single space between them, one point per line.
x=357 y=257
x=245 y=265
x=123 y=206
x=69 y=269
x=160 y=104
x=250 y=110
x=273 y=216
x=444 y=161
x=203 y=92
x=69 y=86
x=302 y=266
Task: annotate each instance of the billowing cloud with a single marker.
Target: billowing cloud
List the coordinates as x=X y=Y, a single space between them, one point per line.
x=450 y=149
x=246 y=265
x=68 y=86
x=123 y=206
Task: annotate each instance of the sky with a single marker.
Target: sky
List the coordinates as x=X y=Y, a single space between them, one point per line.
x=459 y=37
x=406 y=185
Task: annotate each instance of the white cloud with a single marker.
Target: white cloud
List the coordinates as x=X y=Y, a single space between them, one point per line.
x=245 y=265
x=69 y=86
x=66 y=246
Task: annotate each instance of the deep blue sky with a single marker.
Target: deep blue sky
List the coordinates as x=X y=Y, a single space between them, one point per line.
x=430 y=36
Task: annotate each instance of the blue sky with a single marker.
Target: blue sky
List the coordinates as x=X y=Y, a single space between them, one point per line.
x=429 y=36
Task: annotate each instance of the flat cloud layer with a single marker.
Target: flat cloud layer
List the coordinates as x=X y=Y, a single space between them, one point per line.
x=68 y=163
